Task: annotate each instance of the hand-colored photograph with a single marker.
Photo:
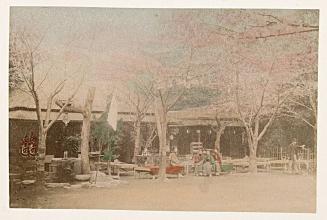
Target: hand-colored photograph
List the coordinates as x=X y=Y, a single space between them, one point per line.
x=163 y=109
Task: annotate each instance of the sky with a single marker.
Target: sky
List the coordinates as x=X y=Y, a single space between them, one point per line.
x=82 y=41
x=106 y=46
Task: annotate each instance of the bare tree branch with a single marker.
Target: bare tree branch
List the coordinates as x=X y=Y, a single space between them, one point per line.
x=25 y=91
x=294 y=114
x=63 y=108
x=238 y=108
x=58 y=88
x=44 y=78
x=301 y=104
x=286 y=33
x=271 y=16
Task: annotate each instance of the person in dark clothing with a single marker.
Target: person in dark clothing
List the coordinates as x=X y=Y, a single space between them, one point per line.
x=293 y=155
x=207 y=163
x=198 y=160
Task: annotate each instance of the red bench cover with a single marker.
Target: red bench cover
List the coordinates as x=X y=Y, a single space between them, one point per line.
x=154 y=170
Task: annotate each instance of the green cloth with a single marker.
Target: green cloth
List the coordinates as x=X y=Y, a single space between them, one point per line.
x=226 y=167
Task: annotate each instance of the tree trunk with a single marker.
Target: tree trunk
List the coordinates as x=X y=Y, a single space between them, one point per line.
x=41 y=139
x=253 y=157
x=137 y=140
x=86 y=131
x=163 y=151
x=218 y=137
x=85 y=145
x=40 y=167
x=253 y=145
x=161 y=121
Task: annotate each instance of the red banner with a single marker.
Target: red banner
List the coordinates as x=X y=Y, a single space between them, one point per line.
x=29 y=146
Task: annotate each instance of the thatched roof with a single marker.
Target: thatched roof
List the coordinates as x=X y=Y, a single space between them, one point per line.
x=21 y=106
x=205 y=115
x=21 y=99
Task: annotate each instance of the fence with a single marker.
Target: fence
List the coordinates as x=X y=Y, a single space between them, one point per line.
x=306 y=156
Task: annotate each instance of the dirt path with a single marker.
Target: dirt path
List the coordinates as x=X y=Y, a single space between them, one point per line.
x=237 y=192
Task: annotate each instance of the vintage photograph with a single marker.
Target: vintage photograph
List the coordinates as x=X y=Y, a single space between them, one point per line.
x=163 y=109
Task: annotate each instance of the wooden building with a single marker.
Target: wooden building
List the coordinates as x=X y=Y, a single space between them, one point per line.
x=185 y=126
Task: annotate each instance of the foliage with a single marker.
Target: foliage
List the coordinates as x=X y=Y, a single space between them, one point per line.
x=15 y=80
x=107 y=138
x=126 y=141
x=111 y=154
x=282 y=132
x=72 y=145
x=302 y=99
x=16 y=64
x=100 y=134
x=196 y=96
x=276 y=137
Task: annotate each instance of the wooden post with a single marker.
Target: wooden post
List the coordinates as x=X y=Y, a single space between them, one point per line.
x=109 y=168
x=281 y=153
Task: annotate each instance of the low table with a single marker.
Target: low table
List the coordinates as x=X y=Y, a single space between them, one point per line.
x=281 y=164
x=122 y=167
x=119 y=166
x=139 y=170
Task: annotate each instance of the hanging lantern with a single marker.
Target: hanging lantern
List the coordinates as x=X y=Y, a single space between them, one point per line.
x=199 y=135
x=65 y=119
x=243 y=137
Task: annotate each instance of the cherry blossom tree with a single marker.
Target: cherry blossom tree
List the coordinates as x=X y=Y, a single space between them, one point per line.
x=26 y=57
x=261 y=50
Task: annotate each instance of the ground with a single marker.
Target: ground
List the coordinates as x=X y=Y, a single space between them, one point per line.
x=232 y=192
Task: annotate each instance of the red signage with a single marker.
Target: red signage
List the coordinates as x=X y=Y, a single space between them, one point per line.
x=29 y=146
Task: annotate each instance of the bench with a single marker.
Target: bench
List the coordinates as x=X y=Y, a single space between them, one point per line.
x=154 y=170
x=174 y=170
x=139 y=170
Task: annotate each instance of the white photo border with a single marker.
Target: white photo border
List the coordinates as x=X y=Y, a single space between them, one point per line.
x=26 y=214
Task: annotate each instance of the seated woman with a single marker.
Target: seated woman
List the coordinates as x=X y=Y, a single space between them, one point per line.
x=176 y=167
x=173 y=158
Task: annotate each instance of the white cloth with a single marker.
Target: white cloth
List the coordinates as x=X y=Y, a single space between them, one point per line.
x=113 y=112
